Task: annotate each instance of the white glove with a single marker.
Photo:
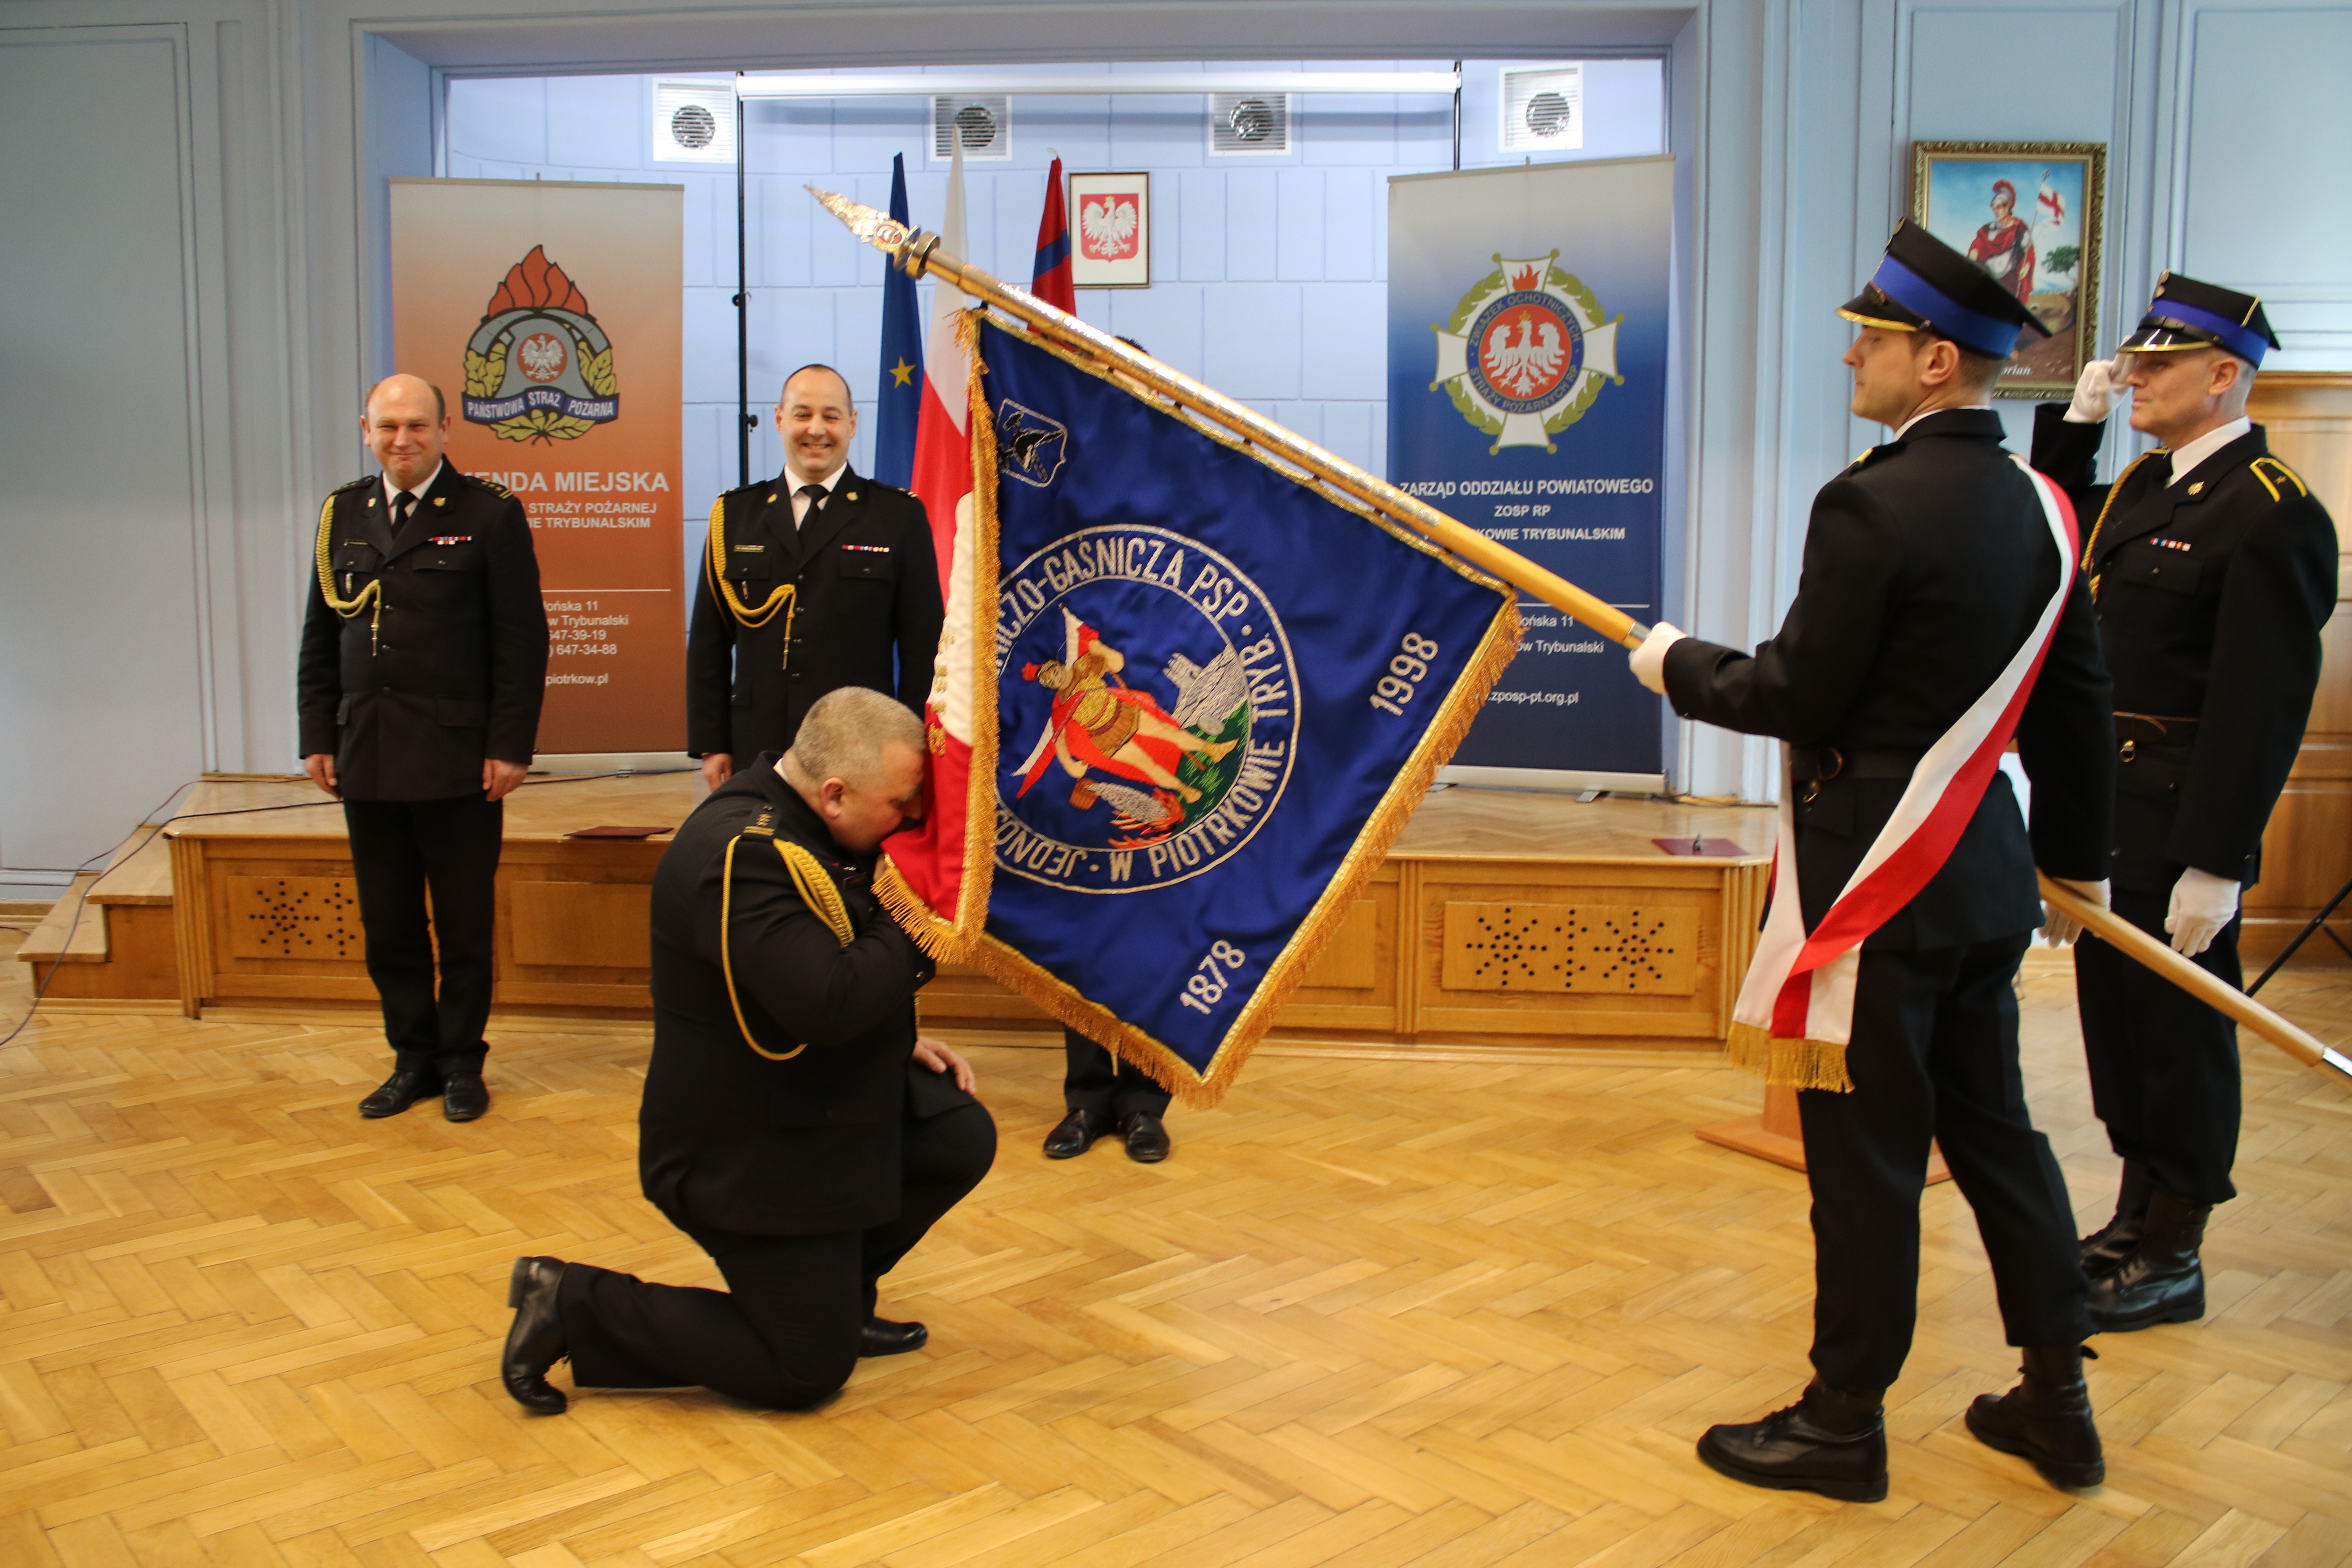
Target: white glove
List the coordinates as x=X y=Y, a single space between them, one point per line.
x=1650 y=659
x=2202 y=904
x=2058 y=927
x=2095 y=393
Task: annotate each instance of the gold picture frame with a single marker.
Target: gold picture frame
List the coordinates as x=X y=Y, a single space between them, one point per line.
x=2044 y=241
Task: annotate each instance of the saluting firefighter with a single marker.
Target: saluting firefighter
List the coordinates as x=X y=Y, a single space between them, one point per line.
x=424 y=664
x=2213 y=568
x=815 y=579
x=1938 y=575
x=794 y=1125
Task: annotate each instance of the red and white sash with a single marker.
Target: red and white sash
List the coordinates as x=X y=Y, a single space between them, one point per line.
x=1795 y=1013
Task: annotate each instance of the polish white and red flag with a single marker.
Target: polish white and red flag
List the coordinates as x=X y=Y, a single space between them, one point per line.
x=1795 y=1014
x=941 y=891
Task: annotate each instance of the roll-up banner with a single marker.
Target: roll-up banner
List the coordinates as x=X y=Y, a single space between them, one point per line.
x=550 y=315
x=1528 y=343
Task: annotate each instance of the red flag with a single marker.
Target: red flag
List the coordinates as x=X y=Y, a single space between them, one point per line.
x=939 y=893
x=1049 y=277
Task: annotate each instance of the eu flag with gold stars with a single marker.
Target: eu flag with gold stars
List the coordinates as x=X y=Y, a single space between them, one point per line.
x=898 y=399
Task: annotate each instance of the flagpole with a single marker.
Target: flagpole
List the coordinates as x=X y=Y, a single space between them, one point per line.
x=917 y=252
x=2212 y=990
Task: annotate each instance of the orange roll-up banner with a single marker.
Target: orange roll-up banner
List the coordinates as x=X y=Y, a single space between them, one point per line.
x=550 y=314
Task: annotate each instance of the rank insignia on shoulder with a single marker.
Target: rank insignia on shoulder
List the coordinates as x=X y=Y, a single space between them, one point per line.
x=356 y=484
x=764 y=824
x=2276 y=477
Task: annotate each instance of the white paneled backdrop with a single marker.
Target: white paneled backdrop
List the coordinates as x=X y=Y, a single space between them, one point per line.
x=193 y=260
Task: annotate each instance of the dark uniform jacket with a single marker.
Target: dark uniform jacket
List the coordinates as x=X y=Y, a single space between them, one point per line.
x=730 y=1138
x=449 y=666
x=1927 y=565
x=867 y=586
x=2211 y=596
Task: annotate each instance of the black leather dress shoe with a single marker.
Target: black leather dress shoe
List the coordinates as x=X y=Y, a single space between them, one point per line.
x=1074 y=1135
x=880 y=1336
x=398 y=1092
x=1147 y=1138
x=535 y=1340
x=465 y=1097
x=2046 y=1418
x=1832 y=1442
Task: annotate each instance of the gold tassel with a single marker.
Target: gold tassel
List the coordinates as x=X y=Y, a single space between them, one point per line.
x=1788 y=1064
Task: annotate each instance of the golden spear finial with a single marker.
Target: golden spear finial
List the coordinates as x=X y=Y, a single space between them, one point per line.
x=905 y=247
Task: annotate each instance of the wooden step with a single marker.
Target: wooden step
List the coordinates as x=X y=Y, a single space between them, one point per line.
x=60 y=938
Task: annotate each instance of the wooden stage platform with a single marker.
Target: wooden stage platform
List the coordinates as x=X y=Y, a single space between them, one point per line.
x=1500 y=918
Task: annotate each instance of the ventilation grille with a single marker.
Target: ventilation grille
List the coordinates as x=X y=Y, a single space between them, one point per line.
x=694 y=122
x=983 y=127
x=1543 y=109
x=1244 y=125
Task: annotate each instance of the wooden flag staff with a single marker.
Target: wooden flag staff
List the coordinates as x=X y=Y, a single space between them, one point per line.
x=917 y=252
x=2219 y=994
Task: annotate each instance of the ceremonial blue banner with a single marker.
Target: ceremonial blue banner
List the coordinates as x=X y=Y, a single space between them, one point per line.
x=1219 y=695
x=1528 y=356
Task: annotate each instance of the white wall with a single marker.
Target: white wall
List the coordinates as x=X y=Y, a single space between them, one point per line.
x=1268 y=272
x=181 y=370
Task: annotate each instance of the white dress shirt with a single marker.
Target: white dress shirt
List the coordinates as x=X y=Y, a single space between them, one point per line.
x=802 y=503
x=2192 y=453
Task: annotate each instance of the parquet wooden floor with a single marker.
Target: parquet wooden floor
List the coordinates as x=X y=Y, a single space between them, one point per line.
x=1373 y=1312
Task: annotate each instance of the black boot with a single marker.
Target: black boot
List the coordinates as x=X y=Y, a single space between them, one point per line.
x=2046 y=1418
x=2162 y=1281
x=535 y=1340
x=1833 y=1441
x=2113 y=1242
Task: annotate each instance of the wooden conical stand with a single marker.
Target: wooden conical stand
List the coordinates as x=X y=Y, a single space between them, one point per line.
x=1779 y=1135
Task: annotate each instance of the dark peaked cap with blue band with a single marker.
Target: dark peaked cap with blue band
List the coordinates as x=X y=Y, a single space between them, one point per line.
x=2186 y=314
x=1925 y=283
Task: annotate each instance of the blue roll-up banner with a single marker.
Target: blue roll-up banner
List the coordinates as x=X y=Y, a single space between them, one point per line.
x=1527 y=352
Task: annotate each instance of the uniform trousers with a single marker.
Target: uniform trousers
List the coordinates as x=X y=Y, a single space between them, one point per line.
x=1095 y=1080
x=2164 y=1065
x=783 y=1335
x=1932 y=1056
x=400 y=848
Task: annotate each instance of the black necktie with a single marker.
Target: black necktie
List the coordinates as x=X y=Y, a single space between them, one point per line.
x=815 y=494
x=402 y=505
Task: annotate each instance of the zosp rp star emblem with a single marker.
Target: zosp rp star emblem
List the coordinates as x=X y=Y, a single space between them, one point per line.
x=1525 y=353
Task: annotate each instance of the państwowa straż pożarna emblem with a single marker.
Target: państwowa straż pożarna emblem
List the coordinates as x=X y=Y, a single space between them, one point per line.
x=1525 y=353
x=539 y=368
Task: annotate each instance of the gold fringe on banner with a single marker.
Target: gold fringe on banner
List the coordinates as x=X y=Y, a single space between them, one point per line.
x=949 y=939
x=1788 y=1064
x=1009 y=968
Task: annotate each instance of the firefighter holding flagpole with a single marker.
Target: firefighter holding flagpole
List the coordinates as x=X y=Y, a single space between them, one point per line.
x=1939 y=613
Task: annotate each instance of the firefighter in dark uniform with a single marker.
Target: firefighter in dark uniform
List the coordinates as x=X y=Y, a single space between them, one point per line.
x=2214 y=567
x=794 y=1125
x=423 y=666
x=1927 y=565
x=815 y=579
